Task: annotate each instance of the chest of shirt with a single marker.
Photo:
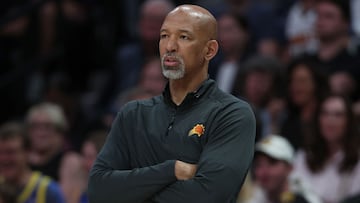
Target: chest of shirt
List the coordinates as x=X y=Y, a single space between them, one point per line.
x=170 y=134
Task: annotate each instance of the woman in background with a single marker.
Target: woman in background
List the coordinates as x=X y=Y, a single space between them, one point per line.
x=329 y=160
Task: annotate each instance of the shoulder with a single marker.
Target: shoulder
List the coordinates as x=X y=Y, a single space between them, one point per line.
x=140 y=105
x=53 y=192
x=228 y=103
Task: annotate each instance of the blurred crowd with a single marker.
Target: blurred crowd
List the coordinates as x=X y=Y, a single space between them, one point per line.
x=67 y=67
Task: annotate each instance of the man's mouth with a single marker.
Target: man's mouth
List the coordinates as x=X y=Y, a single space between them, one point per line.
x=171 y=61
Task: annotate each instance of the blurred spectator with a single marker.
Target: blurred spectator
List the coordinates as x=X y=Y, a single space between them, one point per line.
x=261 y=84
x=336 y=49
x=329 y=160
x=151 y=77
x=75 y=168
x=32 y=186
x=306 y=87
x=234 y=49
x=270 y=47
x=131 y=58
x=272 y=168
x=343 y=83
x=47 y=126
x=300 y=27
x=266 y=18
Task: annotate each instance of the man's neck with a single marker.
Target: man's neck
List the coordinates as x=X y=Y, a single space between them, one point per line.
x=330 y=48
x=181 y=87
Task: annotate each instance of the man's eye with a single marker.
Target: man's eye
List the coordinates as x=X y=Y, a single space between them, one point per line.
x=163 y=36
x=184 y=37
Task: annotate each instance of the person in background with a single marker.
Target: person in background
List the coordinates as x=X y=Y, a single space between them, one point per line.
x=343 y=83
x=32 y=186
x=76 y=167
x=234 y=39
x=151 y=77
x=131 y=58
x=329 y=160
x=46 y=127
x=300 y=27
x=261 y=84
x=193 y=143
x=307 y=85
x=336 y=50
x=273 y=165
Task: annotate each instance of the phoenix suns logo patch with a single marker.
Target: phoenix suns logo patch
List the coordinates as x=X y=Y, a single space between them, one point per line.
x=198 y=130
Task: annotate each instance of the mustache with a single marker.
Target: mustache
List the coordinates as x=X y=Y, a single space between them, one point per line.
x=171 y=55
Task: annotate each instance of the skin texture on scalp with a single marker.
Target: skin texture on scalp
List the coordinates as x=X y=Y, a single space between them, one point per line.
x=204 y=19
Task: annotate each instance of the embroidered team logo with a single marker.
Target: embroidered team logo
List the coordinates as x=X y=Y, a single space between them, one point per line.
x=198 y=130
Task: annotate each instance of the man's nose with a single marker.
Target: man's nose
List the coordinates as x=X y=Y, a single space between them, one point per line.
x=171 y=45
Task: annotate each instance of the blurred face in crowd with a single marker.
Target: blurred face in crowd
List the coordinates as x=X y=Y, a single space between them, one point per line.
x=302 y=86
x=342 y=83
x=151 y=78
x=43 y=132
x=13 y=159
x=330 y=23
x=333 y=121
x=152 y=16
x=186 y=43
x=257 y=86
x=271 y=174
x=89 y=153
x=232 y=37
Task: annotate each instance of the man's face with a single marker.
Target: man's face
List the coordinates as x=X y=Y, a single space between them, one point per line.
x=151 y=19
x=271 y=174
x=182 y=45
x=330 y=22
x=42 y=131
x=12 y=158
x=231 y=36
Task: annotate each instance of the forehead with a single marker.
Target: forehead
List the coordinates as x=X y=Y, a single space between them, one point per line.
x=182 y=21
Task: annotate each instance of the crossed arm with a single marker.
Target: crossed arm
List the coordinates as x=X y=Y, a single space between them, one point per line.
x=217 y=177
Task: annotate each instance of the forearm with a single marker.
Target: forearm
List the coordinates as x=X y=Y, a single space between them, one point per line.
x=203 y=188
x=128 y=186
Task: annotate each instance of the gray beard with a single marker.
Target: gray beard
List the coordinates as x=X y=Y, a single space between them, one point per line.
x=173 y=73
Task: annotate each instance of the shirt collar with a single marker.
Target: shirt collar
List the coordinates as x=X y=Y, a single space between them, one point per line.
x=191 y=96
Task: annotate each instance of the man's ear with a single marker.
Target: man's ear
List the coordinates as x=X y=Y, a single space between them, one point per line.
x=212 y=49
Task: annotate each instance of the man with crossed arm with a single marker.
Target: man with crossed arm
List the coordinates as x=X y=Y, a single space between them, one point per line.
x=193 y=143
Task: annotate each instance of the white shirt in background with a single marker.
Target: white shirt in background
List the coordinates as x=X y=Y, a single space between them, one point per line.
x=300 y=29
x=329 y=184
x=226 y=76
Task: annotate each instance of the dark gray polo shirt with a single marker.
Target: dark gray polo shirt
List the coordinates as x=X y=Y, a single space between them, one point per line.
x=211 y=128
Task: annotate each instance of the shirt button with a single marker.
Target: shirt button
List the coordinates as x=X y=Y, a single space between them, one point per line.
x=170 y=127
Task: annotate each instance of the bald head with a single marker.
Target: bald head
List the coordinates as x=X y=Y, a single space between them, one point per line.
x=201 y=17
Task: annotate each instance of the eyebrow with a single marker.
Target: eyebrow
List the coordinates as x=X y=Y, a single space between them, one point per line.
x=180 y=31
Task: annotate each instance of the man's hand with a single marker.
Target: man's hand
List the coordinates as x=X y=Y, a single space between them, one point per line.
x=184 y=171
